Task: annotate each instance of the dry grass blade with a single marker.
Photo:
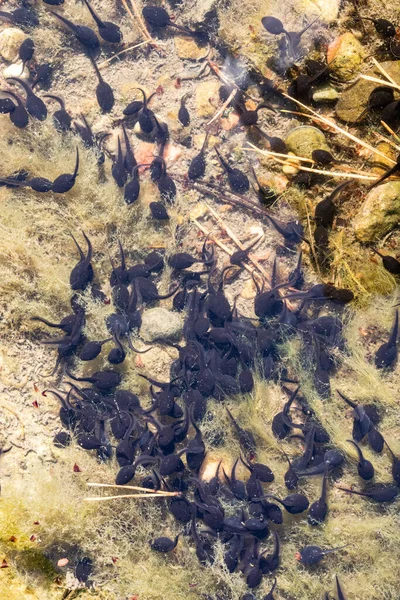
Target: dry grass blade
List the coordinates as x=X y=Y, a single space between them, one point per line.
x=280 y=155
x=382 y=82
x=140 y=20
x=390 y=130
x=131 y=487
x=223 y=107
x=385 y=73
x=319 y=171
x=106 y=62
x=339 y=129
x=104 y=498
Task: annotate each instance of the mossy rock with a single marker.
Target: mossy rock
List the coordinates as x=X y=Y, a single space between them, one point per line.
x=355 y=98
x=161 y=323
x=379 y=214
x=345 y=56
x=304 y=140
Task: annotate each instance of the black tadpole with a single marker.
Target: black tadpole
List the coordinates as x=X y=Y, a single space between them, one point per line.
x=85 y=35
x=325 y=210
x=42 y=75
x=62 y=120
x=312 y=555
x=34 y=105
x=183 y=113
x=104 y=91
x=238 y=181
x=390 y=263
x=382 y=26
x=197 y=166
x=108 y=31
x=395 y=465
x=82 y=274
x=118 y=169
x=382 y=493
x=392 y=171
x=20 y=16
x=164 y=544
x=365 y=468
x=63 y=183
x=18 y=116
x=386 y=354
x=26 y=51
x=275 y=27
x=158 y=211
x=293 y=503
x=266 y=195
x=92 y=349
x=319 y=508
x=157 y=17
x=379 y=98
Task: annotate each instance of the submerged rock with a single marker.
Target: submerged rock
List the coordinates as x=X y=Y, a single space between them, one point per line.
x=325 y=93
x=303 y=140
x=379 y=214
x=187 y=47
x=354 y=99
x=206 y=92
x=160 y=323
x=346 y=55
x=16 y=70
x=10 y=41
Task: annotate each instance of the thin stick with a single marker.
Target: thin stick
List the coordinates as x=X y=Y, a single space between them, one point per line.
x=390 y=130
x=132 y=16
x=320 y=171
x=214 y=67
x=104 y=498
x=131 y=487
x=339 y=129
x=217 y=241
x=105 y=63
x=223 y=107
x=6 y=407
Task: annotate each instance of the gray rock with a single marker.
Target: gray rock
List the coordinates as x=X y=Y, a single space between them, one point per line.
x=303 y=140
x=379 y=214
x=325 y=93
x=354 y=99
x=161 y=323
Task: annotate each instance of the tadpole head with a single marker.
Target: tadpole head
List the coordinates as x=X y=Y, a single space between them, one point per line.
x=272 y=25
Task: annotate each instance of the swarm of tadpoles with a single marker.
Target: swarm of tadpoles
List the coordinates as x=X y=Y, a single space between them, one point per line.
x=220 y=349
x=216 y=361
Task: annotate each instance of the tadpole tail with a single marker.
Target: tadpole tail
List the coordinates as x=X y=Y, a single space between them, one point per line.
x=95 y=16
x=393 y=334
x=391 y=171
